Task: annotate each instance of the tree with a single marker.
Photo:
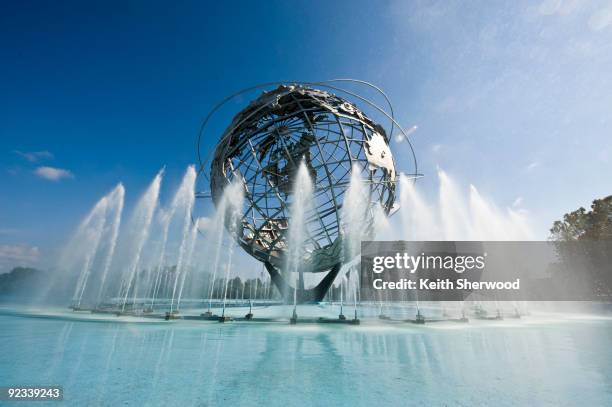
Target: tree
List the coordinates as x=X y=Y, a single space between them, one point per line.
x=595 y=224
x=583 y=240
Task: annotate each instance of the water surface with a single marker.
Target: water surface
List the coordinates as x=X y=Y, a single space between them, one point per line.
x=540 y=360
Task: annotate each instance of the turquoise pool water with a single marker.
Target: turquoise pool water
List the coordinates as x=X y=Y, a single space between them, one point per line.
x=545 y=360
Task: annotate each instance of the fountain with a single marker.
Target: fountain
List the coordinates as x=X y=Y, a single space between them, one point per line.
x=233 y=196
x=184 y=199
x=84 y=261
x=95 y=239
x=214 y=245
x=147 y=266
x=455 y=216
x=92 y=230
x=356 y=226
x=139 y=228
x=278 y=197
x=298 y=233
x=192 y=239
x=118 y=194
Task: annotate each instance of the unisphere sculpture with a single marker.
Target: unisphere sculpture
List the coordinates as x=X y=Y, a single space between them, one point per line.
x=263 y=148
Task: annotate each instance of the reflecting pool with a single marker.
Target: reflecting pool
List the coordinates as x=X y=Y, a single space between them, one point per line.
x=543 y=359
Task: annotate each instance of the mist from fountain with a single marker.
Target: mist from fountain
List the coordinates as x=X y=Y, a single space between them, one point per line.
x=218 y=230
x=456 y=216
x=297 y=234
x=152 y=255
x=110 y=265
x=91 y=232
x=92 y=243
x=233 y=197
x=183 y=205
x=140 y=224
x=117 y=199
x=158 y=265
x=357 y=226
x=193 y=237
x=217 y=235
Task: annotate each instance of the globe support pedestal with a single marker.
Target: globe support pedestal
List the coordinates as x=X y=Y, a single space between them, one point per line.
x=315 y=294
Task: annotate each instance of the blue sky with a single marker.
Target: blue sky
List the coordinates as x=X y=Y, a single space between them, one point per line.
x=514 y=98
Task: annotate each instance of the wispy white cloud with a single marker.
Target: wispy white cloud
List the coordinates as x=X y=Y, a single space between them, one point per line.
x=601 y=19
x=532 y=166
x=446 y=105
x=399 y=137
x=560 y=7
x=52 y=173
x=424 y=15
x=436 y=148
x=34 y=156
x=517 y=202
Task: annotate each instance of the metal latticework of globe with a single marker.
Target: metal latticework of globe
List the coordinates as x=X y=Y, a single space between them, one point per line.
x=263 y=148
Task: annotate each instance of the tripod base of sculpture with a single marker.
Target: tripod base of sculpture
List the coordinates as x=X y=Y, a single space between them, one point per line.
x=315 y=294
